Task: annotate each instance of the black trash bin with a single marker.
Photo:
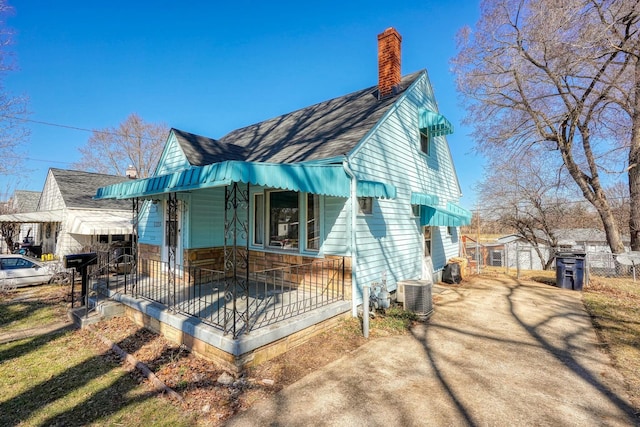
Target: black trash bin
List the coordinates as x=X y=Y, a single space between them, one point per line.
x=451 y=273
x=570 y=270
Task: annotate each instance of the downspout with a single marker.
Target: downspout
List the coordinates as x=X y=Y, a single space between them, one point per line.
x=354 y=209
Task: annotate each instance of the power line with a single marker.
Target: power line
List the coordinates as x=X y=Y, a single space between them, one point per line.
x=38 y=160
x=59 y=125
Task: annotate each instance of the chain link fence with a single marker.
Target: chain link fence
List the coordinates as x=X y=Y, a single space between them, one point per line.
x=489 y=258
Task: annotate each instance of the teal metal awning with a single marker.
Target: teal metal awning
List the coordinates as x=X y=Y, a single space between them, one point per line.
x=375 y=189
x=424 y=199
x=436 y=124
x=329 y=180
x=435 y=216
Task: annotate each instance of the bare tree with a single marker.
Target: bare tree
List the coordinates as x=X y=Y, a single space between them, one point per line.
x=8 y=230
x=618 y=195
x=134 y=142
x=563 y=76
x=528 y=194
x=13 y=109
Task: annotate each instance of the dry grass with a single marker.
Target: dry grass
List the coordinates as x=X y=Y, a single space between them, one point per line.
x=614 y=306
x=69 y=378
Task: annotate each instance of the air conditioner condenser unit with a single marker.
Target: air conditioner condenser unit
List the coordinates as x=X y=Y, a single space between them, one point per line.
x=416 y=296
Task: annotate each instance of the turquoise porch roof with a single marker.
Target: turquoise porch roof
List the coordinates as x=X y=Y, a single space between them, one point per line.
x=432 y=215
x=329 y=180
x=435 y=123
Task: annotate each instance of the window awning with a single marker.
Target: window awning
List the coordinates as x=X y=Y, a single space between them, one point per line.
x=435 y=216
x=329 y=180
x=424 y=199
x=436 y=124
x=34 y=217
x=375 y=189
x=96 y=222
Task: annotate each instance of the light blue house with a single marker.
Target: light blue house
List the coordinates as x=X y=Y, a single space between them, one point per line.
x=323 y=200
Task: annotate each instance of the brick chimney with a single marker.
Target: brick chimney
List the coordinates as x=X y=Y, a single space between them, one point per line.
x=389 y=73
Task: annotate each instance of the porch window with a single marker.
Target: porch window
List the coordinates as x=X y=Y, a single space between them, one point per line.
x=313 y=222
x=283 y=219
x=258 y=219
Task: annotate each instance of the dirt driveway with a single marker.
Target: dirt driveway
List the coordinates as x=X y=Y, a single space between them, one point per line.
x=496 y=352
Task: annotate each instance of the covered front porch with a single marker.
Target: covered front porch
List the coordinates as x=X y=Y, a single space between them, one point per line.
x=237 y=323
x=238 y=297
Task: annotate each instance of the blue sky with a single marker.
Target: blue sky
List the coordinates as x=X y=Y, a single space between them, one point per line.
x=209 y=68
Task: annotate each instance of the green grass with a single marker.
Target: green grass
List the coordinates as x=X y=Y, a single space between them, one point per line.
x=65 y=379
x=68 y=378
x=30 y=307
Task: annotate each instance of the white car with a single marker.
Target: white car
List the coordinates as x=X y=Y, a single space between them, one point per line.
x=19 y=270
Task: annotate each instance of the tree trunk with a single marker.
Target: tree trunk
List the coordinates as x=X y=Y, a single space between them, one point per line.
x=634 y=166
x=611 y=230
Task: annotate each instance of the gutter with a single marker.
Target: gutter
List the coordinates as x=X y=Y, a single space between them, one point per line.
x=354 y=209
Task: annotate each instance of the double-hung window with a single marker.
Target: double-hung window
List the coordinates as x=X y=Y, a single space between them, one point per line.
x=313 y=223
x=425 y=142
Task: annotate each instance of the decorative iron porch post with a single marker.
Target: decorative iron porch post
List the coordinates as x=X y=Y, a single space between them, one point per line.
x=134 y=245
x=236 y=259
x=172 y=238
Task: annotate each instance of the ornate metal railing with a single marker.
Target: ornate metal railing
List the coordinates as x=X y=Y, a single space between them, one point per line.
x=220 y=300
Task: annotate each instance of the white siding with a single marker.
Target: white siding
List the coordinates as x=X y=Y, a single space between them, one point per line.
x=50 y=198
x=390 y=240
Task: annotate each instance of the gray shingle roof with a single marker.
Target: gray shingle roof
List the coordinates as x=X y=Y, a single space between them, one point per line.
x=26 y=201
x=329 y=129
x=78 y=188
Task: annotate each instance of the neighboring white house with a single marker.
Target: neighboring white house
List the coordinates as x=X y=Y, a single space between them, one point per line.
x=66 y=219
x=25 y=201
x=515 y=251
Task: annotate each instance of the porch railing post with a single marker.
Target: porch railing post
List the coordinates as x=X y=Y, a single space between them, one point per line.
x=236 y=228
x=172 y=234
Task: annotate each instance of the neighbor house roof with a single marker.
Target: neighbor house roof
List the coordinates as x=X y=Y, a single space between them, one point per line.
x=326 y=130
x=78 y=188
x=26 y=201
x=569 y=236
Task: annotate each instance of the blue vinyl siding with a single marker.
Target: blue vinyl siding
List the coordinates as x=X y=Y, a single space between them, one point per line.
x=150 y=223
x=206 y=218
x=172 y=159
x=391 y=239
x=336 y=232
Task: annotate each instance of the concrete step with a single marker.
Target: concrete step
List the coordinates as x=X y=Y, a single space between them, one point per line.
x=104 y=309
x=83 y=318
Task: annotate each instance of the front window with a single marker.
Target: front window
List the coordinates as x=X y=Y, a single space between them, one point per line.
x=313 y=222
x=258 y=219
x=283 y=219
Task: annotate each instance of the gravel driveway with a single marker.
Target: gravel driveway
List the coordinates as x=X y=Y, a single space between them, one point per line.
x=496 y=352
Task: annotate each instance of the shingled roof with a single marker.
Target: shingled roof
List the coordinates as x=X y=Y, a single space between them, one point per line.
x=329 y=129
x=79 y=187
x=26 y=201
